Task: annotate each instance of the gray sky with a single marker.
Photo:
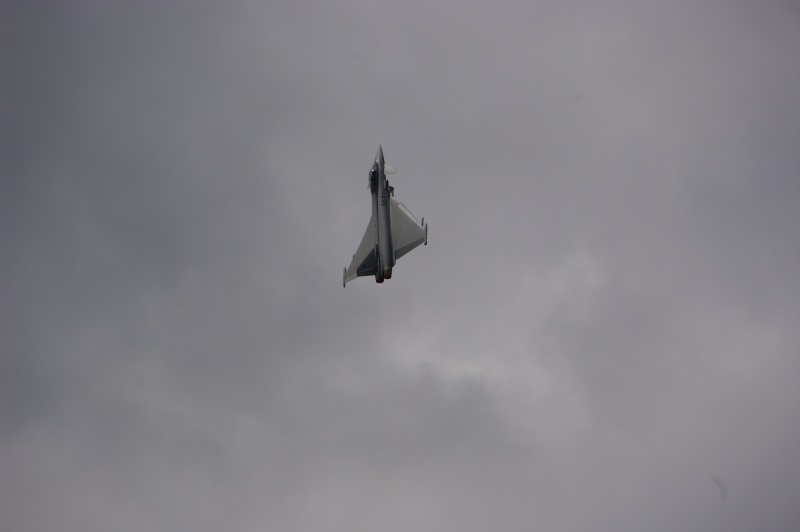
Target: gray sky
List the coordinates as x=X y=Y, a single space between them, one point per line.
x=603 y=326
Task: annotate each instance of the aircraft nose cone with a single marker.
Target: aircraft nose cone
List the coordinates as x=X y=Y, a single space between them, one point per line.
x=379 y=155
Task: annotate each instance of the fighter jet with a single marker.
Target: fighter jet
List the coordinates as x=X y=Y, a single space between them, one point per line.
x=392 y=231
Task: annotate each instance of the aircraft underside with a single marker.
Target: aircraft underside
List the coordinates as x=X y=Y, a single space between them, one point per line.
x=391 y=233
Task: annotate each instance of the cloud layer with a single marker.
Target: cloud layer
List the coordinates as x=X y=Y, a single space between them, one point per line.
x=600 y=333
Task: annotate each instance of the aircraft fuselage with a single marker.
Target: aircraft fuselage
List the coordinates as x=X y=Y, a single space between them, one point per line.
x=381 y=194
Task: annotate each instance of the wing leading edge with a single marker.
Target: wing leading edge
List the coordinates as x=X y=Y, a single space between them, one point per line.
x=408 y=232
x=364 y=261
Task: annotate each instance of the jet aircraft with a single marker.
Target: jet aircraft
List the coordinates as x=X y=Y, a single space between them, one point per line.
x=392 y=231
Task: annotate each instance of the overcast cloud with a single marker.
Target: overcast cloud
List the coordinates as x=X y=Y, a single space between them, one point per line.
x=601 y=335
